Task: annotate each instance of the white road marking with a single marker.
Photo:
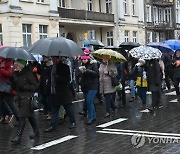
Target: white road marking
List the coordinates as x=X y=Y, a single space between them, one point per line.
x=171 y=93
x=49 y=144
x=141 y=132
x=112 y=122
x=78 y=101
x=145 y=111
x=131 y=134
x=173 y=101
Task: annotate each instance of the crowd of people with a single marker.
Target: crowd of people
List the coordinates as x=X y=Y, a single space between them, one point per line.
x=58 y=79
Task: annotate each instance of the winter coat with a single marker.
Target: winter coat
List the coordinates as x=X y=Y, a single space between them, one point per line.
x=60 y=84
x=105 y=80
x=25 y=85
x=141 y=75
x=6 y=70
x=89 y=79
x=154 y=75
x=176 y=68
x=45 y=80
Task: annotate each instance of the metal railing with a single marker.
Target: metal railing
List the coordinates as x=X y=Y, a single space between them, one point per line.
x=85 y=15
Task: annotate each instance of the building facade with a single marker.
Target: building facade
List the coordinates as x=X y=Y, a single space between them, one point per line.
x=131 y=21
x=22 y=22
x=162 y=19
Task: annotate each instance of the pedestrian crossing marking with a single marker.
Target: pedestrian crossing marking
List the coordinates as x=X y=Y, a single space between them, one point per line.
x=171 y=93
x=173 y=101
x=112 y=122
x=49 y=144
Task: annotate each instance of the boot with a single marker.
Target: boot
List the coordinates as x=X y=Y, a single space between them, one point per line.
x=20 y=129
x=35 y=128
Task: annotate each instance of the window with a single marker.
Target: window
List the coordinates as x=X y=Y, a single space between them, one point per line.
x=133 y=7
x=110 y=38
x=40 y=1
x=177 y=16
x=167 y=15
x=1 y=37
x=91 y=34
x=62 y=3
x=148 y=13
x=90 y=5
x=27 y=36
x=125 y=6
x=108 y=6
x=43 y=31
x=160 y=15
x=155 y=15
x=149 y=37
x=126 y=36
x=134 y=36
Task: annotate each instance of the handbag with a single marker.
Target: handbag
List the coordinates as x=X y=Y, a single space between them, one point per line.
x=115 y=81
x=5 y=87
x=34 y=102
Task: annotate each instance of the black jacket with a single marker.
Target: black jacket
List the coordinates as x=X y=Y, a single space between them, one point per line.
x=89 y=79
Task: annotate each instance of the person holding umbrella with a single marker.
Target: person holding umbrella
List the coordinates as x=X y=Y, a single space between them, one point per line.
x=60 y=92
x=106 y=70
x=6 y=71
x=25 y=85
x=176 y=76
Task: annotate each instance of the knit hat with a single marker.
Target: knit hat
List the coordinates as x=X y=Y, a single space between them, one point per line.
x=85 y=57
x=22 y=63
x=86 y=51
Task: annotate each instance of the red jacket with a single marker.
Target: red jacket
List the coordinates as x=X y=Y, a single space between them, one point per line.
x=6 y=69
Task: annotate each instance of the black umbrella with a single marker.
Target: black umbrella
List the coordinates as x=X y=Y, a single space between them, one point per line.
x=92 y=42
x=16 y=53
x=129 y=45
x=56 y=46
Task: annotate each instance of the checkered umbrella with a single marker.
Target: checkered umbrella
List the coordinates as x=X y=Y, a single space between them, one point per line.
x=145 y=52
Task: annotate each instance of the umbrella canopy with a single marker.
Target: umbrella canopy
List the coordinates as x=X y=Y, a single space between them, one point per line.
x=129 y=45
x=16 y=53
x=174 y=44
x=56 y=46
x=164 y=48
x=92 y=42
x=114 y=55
x=145 y=52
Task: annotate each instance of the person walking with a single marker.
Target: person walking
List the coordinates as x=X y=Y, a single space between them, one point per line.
x=89 y=86
x=25 y=85
x=140 y=71
x=60 y=92
x=6 y=71
x=154 y=77
x=106 y=70
x=176 y=76
x=45 y=85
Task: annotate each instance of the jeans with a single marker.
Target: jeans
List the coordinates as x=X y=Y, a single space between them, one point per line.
x=142 y=94
x=133 y=90
x=89 y=97
x=55 y=114
x=110 y=101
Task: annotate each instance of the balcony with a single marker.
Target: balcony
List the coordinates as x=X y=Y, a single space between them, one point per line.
x=160 y=25
x=163 y=3
x=85 y=15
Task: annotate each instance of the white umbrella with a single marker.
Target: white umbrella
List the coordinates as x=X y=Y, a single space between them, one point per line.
x=145 y=52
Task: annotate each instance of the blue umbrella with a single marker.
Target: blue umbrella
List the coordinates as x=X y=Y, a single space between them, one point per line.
x=174 y=44
x=164 y=48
